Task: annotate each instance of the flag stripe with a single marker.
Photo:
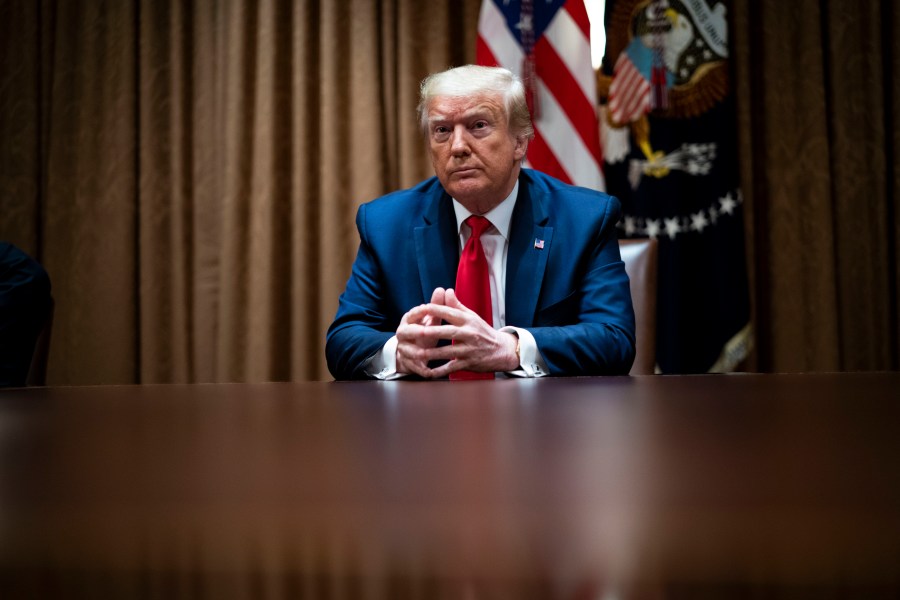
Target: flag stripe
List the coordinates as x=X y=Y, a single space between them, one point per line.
x=579 y=15
x=540 y=153
x=565 y=143
x=559 y=82
x=483 y=54
x=569 y=41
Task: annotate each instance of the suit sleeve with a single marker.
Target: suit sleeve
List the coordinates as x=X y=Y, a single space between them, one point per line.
x=360 y=326
x=591 y=331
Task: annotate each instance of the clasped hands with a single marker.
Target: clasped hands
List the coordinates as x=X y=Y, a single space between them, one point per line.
x=476 y=346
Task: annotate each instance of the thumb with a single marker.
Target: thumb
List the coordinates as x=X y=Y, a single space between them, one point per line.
x=437 y=296
x=451 y=300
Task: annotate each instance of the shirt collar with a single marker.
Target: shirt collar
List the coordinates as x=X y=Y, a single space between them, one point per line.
x=499 y=216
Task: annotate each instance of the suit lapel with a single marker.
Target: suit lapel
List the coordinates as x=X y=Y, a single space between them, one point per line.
x=437 y=245
x=526 y=260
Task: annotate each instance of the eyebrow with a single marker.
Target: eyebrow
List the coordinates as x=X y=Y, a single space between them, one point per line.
x=478 y=111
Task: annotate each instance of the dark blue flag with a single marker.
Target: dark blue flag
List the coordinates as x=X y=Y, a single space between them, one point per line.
x=670 y=156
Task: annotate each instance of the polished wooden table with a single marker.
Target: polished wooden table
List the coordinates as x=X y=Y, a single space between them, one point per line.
x=720 y=486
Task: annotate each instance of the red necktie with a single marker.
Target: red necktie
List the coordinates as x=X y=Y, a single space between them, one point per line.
x=473 y=286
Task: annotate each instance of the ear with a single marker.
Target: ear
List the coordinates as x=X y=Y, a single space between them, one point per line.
x=521 y=147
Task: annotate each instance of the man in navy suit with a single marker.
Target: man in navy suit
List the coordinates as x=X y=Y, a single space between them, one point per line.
x=560 y=297
x=24 y=305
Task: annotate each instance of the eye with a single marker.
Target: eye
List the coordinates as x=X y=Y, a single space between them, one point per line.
x=440 y=132
x=481 y=128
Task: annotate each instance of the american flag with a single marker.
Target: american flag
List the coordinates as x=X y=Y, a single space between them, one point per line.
x=629 y=91
x=547 y=43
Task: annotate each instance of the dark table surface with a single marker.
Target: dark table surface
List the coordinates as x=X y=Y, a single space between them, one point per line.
x=731 y=486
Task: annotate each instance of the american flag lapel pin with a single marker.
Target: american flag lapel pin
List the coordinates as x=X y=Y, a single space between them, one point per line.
x=538 y=244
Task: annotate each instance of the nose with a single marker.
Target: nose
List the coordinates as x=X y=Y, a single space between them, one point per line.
x=459 y=143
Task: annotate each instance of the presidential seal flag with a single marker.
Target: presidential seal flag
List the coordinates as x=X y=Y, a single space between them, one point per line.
x=670 y=151
x=547 y=43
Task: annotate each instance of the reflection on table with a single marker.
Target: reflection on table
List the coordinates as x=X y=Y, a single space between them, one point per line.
x=641 y=487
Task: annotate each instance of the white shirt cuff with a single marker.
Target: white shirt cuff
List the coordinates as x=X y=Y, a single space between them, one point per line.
x=531 y=363
x=383 y=364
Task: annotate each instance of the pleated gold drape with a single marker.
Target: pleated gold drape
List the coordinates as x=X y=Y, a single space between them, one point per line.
x=188 y=172
x=818 y=88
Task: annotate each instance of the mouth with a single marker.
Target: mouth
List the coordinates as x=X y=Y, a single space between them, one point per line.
x=464 y=172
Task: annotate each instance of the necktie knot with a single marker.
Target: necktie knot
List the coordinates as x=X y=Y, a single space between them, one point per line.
x=478 y=224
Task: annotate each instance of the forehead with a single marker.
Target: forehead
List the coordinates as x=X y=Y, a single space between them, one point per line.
x=453 y=107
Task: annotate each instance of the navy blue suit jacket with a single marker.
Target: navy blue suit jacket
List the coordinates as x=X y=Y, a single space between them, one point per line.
x=572 y=294
x=24 y=306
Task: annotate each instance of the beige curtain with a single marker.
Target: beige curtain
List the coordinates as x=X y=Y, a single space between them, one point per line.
x=819 y=119
x=188 y=172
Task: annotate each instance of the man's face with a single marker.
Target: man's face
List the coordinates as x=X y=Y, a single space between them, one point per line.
x=474 y=155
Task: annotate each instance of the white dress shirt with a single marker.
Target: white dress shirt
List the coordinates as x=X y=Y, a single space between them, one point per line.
x=495 y=241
